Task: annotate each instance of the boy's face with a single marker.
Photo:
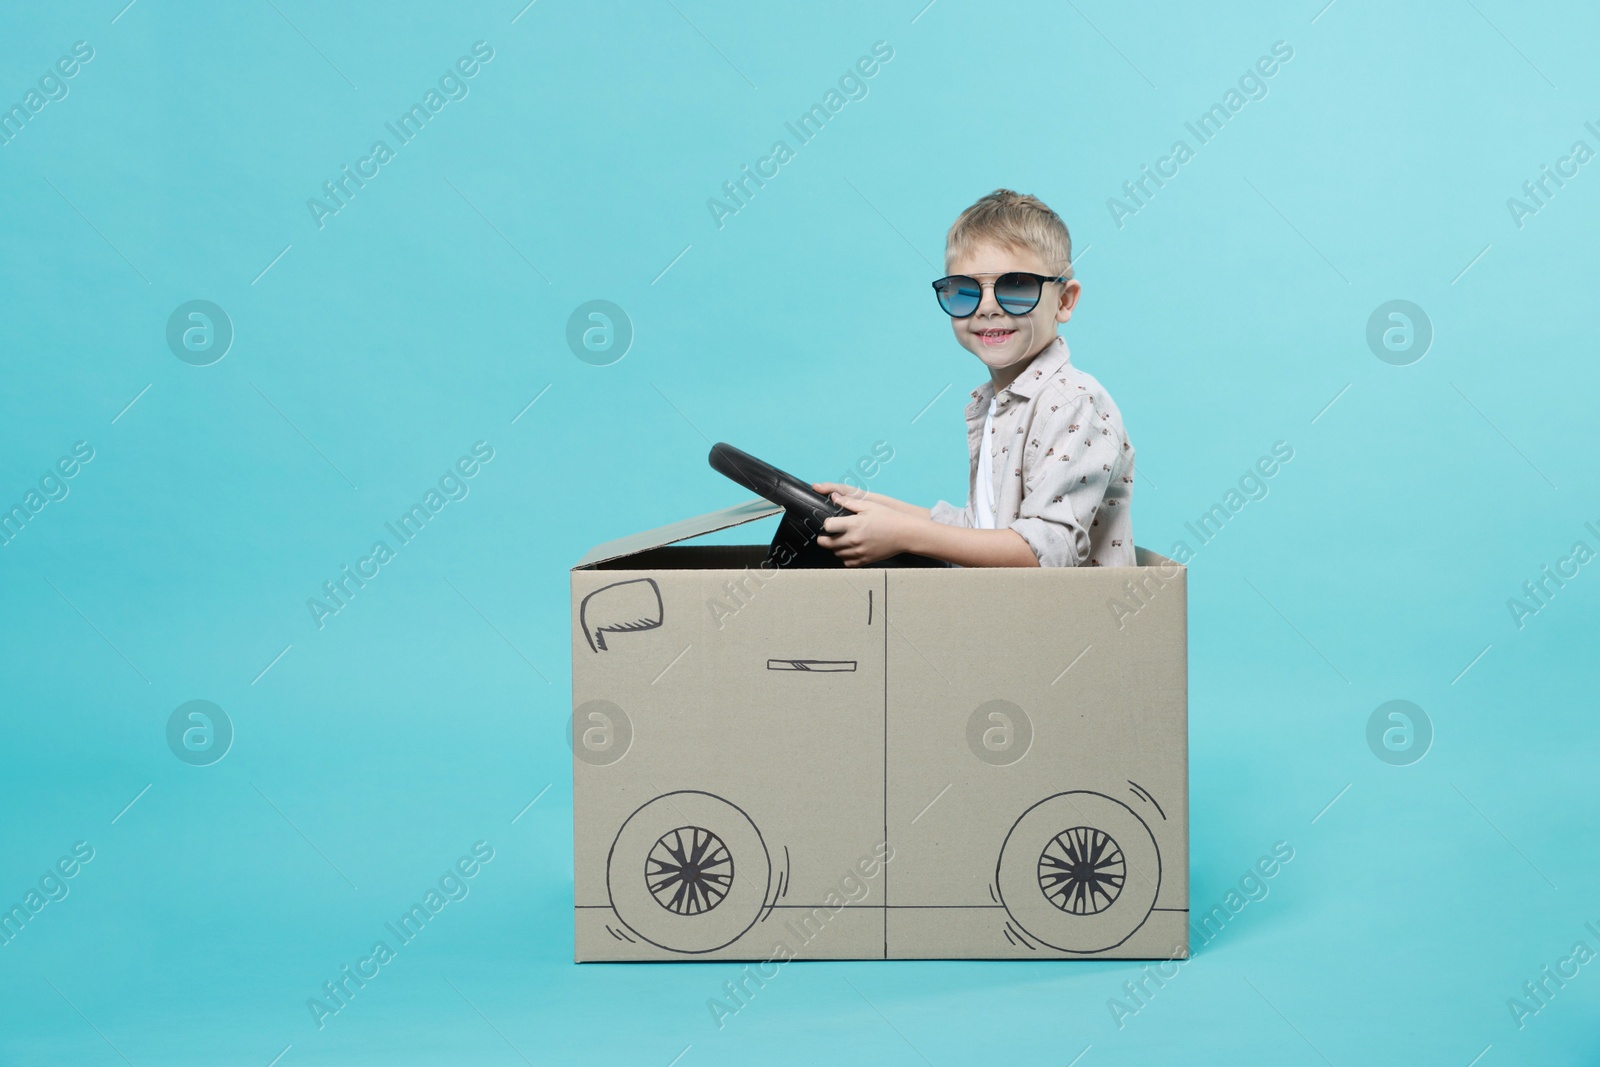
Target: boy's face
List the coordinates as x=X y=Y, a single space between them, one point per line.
x=1006 y=342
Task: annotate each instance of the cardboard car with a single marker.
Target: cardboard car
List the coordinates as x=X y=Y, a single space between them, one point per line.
x=878 y=762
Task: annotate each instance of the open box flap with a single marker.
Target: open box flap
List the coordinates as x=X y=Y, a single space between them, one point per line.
x=1144 y=557
x=682 y=530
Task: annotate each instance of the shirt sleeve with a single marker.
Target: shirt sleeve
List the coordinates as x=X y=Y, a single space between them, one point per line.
x=949 y=515
x=1066 y=483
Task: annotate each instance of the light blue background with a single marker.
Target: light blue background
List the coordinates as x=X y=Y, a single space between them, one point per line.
x=1224 y=316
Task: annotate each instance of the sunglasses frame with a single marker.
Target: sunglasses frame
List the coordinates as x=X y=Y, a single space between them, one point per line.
x=1040 y=278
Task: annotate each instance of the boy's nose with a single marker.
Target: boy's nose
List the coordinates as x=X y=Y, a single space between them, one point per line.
x=987 y=304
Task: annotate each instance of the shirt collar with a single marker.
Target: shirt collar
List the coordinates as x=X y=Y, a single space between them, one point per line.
x=1047 y=362
x=1026 y=385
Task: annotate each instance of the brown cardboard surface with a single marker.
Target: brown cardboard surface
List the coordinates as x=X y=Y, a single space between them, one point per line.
x=876 y=763
x=682 y=530
x=1094 y=717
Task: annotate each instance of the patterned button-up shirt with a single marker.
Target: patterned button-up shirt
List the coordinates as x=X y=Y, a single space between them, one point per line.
x=1062 y=465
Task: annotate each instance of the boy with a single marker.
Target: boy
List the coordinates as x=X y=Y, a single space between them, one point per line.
x=1051 y=475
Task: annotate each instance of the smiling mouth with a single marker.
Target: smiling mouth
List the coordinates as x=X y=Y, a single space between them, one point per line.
x=992 y=338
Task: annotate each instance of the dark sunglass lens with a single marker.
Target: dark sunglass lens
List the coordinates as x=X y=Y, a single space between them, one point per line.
x=1017 y=294
x=959 y=295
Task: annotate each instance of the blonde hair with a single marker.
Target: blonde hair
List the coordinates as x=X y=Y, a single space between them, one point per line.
x=1013 y=220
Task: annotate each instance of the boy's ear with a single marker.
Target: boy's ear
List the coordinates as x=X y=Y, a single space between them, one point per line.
x=1069 y=300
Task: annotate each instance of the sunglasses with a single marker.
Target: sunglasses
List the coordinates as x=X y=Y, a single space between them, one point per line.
x=1017 y=293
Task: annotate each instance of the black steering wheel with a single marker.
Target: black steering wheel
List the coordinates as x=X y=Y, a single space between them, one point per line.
x=804 y=512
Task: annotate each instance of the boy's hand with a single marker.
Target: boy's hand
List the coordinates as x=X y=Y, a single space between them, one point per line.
x=876 y=530
x=836 y=490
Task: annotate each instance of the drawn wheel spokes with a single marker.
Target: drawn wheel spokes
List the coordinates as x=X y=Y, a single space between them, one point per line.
x=1082 y=870
x=689 y=871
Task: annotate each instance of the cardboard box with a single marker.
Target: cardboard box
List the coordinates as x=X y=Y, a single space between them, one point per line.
x=864 y=763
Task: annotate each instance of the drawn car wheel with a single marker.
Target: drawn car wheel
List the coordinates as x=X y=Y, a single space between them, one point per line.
x=1079 y=872
x=688 y=872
